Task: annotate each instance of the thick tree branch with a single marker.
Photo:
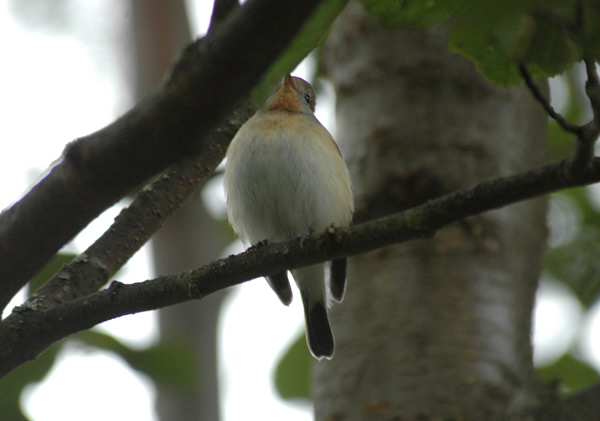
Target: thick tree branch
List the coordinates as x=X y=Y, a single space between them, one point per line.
x=28 y=331
x=208 y=79
x=221 y=10
x=139 y=221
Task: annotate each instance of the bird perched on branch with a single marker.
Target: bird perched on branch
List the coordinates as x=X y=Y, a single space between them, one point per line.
x=285 y=177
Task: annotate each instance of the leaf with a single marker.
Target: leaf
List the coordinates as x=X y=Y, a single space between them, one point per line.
x=413 y=13
x=591 y=33
x=169 y=363
x=48 y=271
x=308 y=38
x=498 y=35
x=551 y=50
x=590 y=215
x=576 y=264
x=574 y=374
x=491 y=33
x=560 y=142
x=487 y=57
x=13 y=384
x=292 y=375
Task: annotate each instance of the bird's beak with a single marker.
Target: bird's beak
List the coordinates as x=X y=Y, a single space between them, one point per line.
x=288 y=82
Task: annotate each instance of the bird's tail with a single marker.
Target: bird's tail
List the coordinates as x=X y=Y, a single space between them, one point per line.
x=281 y=285
x=318 y=331
x=337 y=278
x=319 y=337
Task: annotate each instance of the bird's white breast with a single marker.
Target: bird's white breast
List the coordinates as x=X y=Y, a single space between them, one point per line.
x=285 y=176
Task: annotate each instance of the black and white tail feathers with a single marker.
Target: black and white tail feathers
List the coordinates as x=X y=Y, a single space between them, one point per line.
x=337 y=280
x=281 y=285
x=318 y=331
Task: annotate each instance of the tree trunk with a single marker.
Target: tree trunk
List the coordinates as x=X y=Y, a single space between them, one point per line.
x=189 y=239
x=436 y=328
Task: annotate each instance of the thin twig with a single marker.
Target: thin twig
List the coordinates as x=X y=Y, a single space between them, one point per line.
x=586 y=134
x=586 y=138
x=592 y=87
x=539 y=96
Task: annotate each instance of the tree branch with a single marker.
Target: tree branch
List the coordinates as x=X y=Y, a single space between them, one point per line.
x=28 y=331
x=139 y=221
x=208 y=79
x=552 y=113
x=221 y=9
x=592 y=89
x=586 y=134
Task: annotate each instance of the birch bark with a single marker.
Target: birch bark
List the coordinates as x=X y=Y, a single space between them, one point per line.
x=436 y=328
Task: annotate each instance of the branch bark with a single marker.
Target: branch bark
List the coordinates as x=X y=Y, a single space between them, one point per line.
x=209 y=78
x=136 y=224
x=28 y=330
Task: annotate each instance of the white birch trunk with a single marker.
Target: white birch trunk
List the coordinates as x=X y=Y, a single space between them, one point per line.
x=436 y=328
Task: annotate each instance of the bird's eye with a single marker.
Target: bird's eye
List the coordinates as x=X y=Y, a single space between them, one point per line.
x=307 y=98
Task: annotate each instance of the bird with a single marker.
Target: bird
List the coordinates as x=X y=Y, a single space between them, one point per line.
x=285 y=177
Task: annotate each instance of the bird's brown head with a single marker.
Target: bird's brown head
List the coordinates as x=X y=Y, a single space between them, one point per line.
x=295 y=95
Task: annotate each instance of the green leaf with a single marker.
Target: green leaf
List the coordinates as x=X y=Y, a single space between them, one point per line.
x=574 y=374
x=498 y=35
x=491 y=33
x=576 y=264
x=308 y=38
x=549 y=51
x=292 y=375
x=413 y=13
x=487 y=57
x=12 y=385
x=169 y=363
x=48 y=271
x=590 y=215
x=560 y=142
x=591 y=41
